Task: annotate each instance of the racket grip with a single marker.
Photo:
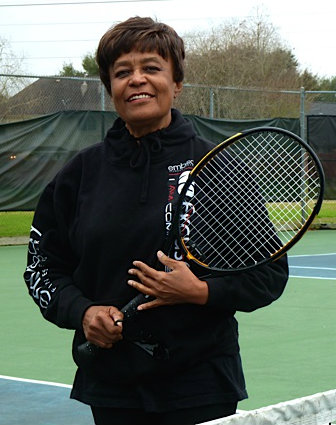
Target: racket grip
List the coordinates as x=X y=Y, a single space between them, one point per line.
x=88 y=351
x=130 y=309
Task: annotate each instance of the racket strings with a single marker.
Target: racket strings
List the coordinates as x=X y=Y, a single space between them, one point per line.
x=292 y=181
x=287 y=179
x=248 y=200
x=281 y=169
x=218 y=200
x=220 y=240
x=232 y=228
x=226 y=236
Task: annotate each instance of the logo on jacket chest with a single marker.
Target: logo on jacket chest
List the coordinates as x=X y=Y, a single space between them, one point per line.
x=178 y=168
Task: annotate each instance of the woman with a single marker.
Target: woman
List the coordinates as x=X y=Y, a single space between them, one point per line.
x=97 y=232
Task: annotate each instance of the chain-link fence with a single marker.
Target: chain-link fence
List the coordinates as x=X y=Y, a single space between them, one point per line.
x=23 y=97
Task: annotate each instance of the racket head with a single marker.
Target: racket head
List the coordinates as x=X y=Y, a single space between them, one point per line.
x=249 y=200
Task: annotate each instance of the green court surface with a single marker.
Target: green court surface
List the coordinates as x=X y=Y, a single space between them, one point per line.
x=288 y=349
x=31 y=347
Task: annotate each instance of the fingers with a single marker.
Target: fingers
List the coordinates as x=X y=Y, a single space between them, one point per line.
x=146 y=276
x=151 y=304
x=179 y=285
x=144 y=269
x=167 y=261
x=161 y=285
x=117 y=316
x=102 y=325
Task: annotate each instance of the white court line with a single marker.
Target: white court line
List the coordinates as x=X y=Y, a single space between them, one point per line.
x=313 y=268
x=34 y=381
x=312 y=277
x=312 y=255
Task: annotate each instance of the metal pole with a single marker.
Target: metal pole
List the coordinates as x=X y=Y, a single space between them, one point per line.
x=102 y=107
x=303 y=164
x=211 y=115
x=102 y=97
x=302 y=114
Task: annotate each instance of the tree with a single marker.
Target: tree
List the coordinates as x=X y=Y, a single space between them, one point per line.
x=89 y=65
x=250 y=56
x=9 y=84
x=309 y=81
x=326 y=84
x=9 y=63
x=68 y=70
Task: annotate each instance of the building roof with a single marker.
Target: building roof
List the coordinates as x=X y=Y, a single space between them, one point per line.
x=322 y=108
x=50 y=95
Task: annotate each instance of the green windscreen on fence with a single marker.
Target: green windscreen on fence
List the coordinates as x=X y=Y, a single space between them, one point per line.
x=32 y=151
x=321 y=134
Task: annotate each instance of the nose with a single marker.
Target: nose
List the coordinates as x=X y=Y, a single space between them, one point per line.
x=137 y=78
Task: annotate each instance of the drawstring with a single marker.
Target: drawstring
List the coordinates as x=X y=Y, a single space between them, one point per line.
x=145 y=175
x=141 y=158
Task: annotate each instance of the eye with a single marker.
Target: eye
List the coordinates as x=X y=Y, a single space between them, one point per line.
x=152 y=69
x=122 y=73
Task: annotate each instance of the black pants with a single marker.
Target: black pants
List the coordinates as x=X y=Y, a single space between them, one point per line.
x=191 y=416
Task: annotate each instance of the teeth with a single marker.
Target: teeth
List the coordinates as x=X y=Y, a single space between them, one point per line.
x=140 y=96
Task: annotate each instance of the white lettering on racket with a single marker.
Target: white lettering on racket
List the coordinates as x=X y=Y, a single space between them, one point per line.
x=187 y=211
x=178 y=175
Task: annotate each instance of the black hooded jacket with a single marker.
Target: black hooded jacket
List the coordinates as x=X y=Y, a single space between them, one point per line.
x=111 y=205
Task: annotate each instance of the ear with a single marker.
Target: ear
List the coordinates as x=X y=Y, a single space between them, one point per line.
x=178 y=88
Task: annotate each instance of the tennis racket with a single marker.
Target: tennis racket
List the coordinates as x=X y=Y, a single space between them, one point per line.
x=244 y=204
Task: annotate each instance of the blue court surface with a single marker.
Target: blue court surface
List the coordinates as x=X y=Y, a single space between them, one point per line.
x=30 y=402
x=320 y=266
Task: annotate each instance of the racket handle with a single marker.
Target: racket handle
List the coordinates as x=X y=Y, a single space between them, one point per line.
x=88 y=351
x=130 y=309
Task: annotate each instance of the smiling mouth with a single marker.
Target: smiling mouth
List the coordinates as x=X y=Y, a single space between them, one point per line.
x=139 y=97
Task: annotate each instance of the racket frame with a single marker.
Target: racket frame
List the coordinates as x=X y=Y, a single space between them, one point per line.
x=176 y=228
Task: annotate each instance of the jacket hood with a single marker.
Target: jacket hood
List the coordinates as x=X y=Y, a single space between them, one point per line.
x=124 y=149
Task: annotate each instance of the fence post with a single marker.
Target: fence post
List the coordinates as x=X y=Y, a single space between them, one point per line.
x=211 y=109
x=302 y=114
x=303 y=136
x=102 y=96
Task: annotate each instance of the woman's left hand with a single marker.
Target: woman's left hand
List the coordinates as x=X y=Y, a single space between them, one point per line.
x=178 y=286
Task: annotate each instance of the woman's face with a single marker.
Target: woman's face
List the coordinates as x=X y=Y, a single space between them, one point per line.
x=143 y=90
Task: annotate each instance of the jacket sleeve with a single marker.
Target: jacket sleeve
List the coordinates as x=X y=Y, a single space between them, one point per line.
x=250 y=290
x=51 y=261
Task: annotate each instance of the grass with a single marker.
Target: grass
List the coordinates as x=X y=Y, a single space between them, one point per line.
x=328 y=211
x=17 y=223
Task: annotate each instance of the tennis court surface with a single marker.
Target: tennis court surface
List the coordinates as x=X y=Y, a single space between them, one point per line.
x=288 y=348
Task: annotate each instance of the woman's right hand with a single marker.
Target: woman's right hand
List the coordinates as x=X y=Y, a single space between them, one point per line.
x=102 y=325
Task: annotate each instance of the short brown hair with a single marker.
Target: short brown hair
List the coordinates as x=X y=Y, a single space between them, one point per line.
x=143 y=35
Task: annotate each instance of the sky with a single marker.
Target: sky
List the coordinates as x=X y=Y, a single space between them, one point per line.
x=45 y=34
